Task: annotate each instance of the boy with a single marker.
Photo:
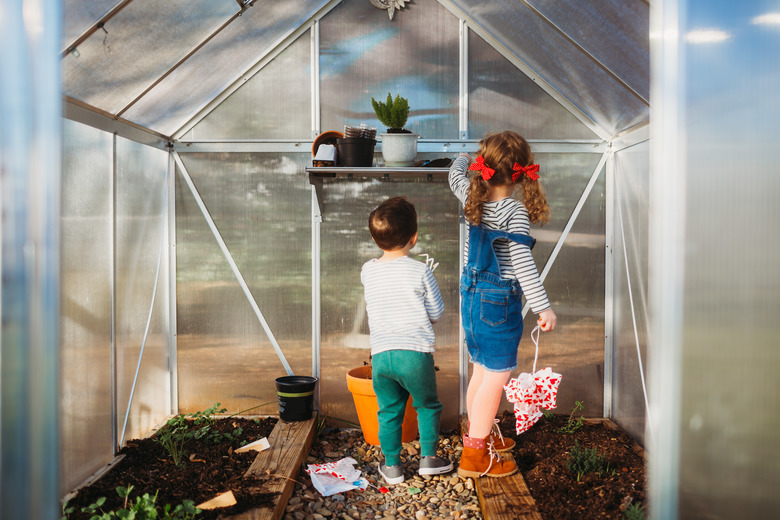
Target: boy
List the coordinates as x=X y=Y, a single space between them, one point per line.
x=402 y=300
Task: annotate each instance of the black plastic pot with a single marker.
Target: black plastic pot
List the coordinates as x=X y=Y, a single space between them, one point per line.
x=355 y=151
x=296 y=397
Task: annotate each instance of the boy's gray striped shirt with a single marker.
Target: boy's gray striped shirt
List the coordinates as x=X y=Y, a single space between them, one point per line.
x=402 y=300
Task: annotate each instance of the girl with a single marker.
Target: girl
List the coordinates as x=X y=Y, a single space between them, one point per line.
x=499 y=270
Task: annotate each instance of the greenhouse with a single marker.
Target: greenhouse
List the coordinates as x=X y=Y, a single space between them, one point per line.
x=168 y=242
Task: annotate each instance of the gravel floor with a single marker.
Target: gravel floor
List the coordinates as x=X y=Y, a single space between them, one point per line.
x=420 y=498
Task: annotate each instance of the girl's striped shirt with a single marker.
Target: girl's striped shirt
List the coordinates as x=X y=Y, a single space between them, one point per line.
x=514 y=260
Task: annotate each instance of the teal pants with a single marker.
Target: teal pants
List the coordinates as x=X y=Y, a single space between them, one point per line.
x=396 y=375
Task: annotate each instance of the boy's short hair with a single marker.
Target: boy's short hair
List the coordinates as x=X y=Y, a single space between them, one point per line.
x=393 y=223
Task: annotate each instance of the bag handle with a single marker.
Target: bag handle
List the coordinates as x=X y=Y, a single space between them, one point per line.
x=535 y=339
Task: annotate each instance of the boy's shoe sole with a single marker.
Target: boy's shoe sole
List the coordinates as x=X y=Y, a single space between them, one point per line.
x=387 y=475
x=436 y=470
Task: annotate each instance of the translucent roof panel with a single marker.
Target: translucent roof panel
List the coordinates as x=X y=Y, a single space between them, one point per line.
x=593 y=52
x=252 y=111
x=134 y=48
x=615 y=32
x=158 y=63
x=220 y=63
x=501 y=97
x=79 y=16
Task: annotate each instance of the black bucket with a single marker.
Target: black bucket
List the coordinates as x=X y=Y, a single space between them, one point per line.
x=296 y=397
x=355 y=151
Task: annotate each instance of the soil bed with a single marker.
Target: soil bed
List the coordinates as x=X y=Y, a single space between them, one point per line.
x=209 y=470
x=542 y=454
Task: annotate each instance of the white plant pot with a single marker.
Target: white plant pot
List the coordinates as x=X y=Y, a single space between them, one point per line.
x=399 y=149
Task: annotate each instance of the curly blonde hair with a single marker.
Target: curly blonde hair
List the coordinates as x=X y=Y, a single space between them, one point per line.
x=501 y=151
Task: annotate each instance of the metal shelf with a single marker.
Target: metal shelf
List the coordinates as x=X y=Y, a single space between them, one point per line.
x=317 y=175
x=344 y=172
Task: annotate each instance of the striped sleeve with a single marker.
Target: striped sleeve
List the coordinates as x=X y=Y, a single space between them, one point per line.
x=459 y=181
x=434 y=305
x=515 y=260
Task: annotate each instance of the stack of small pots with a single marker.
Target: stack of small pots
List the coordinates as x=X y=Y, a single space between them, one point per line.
x=356 y=148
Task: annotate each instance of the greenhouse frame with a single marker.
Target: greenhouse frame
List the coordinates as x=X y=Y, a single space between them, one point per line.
x=164 y=246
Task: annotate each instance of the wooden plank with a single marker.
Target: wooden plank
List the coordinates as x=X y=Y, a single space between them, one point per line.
x=504 y=498
x=290 y=442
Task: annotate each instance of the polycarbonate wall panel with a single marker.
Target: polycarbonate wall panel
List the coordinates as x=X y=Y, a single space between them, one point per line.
x=581 y=79
x=261 y=204
x=630 y=265
x=574 y=285
x=363 y=55
x=137 y=47
x=255 y=110
x=85 y=304
x=501 y=98
x=216 y=66
x=730 y=389
x=141 y=246
x=346 y=246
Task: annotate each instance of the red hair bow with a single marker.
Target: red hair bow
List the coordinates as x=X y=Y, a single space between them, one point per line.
x=532 y=170
x=480 y=166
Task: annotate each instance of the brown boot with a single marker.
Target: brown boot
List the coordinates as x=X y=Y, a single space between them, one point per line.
x=480 y=459
x=500 y=443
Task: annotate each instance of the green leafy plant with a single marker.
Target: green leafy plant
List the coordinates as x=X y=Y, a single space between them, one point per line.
x=172 y=437
x=573 y=424
x=635 y=511
x=67 y=510
x=144 y=508
x=195 y=426
x=588 y=460
x=393 y=113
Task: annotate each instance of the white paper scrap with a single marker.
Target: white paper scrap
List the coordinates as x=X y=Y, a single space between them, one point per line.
x=258 y=445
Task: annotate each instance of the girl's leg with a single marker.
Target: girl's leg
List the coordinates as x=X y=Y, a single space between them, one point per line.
x=484 y=406
x=474 y=384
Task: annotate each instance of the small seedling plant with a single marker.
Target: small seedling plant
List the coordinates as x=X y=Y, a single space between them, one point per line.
x=179 y=430
x=588 y=460
x=573 y=423
x=144 y=508
x=635 y=511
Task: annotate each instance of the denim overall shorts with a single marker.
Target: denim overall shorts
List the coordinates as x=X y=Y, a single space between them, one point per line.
x=491 y=306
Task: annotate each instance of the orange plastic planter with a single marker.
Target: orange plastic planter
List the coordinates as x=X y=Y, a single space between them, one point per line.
x=362 y=388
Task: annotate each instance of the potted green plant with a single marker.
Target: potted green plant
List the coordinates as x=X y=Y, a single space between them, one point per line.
x=399 y=145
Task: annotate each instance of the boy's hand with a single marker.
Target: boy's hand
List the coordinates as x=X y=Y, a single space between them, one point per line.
x=547 y=320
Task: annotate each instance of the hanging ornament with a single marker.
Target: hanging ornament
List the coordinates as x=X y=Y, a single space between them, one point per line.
x=390 y=5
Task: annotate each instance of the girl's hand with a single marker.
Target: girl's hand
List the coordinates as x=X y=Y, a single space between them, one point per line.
x=547 y=320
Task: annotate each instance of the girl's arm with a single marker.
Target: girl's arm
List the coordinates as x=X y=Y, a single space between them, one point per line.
x=523 y=264
x=547 y=320
x=459 y=182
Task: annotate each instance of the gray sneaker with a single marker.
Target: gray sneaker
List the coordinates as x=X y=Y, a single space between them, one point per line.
x=392 y=474
x=434 y=466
